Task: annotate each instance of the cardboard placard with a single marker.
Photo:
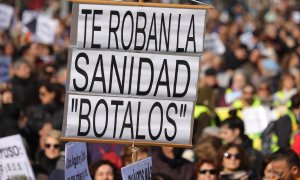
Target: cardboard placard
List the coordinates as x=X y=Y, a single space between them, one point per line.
x=138 y=170
x=14 y=163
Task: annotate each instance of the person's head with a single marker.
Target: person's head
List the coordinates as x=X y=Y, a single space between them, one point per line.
x=232 y=157
x=210 y=77
x=22 y=69
x=287 y=82
x=239 y=80
x=49 y=93
x=232 y=129
x=248 y=93
x=52 y=145
x=267 y=168
x=103 y=170
x=207 y=170
x=263 y=90
x=285 y=164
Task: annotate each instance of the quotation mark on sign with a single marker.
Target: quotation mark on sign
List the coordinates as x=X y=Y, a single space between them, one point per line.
x=182 y=110
x=74 y=104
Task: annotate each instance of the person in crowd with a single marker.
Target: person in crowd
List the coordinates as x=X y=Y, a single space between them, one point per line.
x=24 y=85
x=207 y=170
x=233 y=162
x=296 y=112
x=285 y=165
x=264 y=93
x=248 y=98
x=234 y=91
x=233 y=131
x=267 y=168
x=167 y=162
x=104 y=170
x=286 y=90
x=9 y=114
x=48 y=157
x=50 y=110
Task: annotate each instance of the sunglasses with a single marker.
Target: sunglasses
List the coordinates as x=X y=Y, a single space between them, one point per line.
x=236 y=156
x=212 y=171
x=55 y=146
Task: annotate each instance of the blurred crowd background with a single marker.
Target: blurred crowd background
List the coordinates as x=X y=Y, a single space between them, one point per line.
x=248 y=107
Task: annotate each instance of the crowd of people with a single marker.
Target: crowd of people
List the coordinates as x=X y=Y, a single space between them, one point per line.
x=251 y=60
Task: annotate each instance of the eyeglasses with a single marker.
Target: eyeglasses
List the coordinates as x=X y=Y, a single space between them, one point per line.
x=42 y=94
x=236 y=156
x=212 y=171
x=55 y=146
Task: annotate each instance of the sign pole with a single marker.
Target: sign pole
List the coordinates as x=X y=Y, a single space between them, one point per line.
x=134 y=151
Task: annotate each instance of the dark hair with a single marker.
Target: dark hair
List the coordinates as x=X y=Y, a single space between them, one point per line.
x=295 y=101
x=93 y=168
x=234 y=122
x=244 y=161
x=58 y=89
x=288 y=155
x=208 y=161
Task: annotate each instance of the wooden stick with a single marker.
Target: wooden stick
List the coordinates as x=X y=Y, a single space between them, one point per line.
x=128 y=142
x=123 y=3
x=135 y=151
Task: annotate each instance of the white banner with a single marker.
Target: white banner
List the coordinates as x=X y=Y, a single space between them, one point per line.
x=138 y=170
x=134 y=74
x=45 y=30
x=14 y=163
x=256 y=119
x=6 y=13
x=118 y=118
x=134 y=28
x=76 y=166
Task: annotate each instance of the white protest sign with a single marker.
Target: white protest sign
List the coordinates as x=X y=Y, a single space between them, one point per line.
x=256 y=119
x=138 y=170
x=5 y=62
x=148 y=29
x=45 y=30
x=6 y=13
x=145 y=95
x=213 y=43
x=29 y=19
x=14 y=163
x=129 y=119
x=76 y=166
x=134 y=74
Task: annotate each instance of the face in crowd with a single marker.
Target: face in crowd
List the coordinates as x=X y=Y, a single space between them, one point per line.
x=229 y=135
x=104 y=172
x=52 y=147
x=231 y=159
x=207 y=171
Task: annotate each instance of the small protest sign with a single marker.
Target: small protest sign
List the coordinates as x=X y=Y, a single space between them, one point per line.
x=14 y=163
x=138 y=170
x=256 y=119
x=6 y=13
x=76 y=167
x=5 y=62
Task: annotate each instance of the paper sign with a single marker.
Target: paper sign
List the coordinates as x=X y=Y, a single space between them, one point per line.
x=41 y=26
x=45 y=30
x=5 y=62
x=14 y=163
x=134 y=74
x=6 y=13
x=256 y=119
x=129 y=119
x=213 y=43
x=127 y=81
x=147 y=29
x=76 y=166
x=138 y=170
